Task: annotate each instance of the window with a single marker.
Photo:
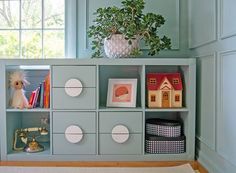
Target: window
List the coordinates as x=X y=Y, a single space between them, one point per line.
x=152 y=81
x=175 y=81
x=33 y=28
x=177 y=97
x=153 y=98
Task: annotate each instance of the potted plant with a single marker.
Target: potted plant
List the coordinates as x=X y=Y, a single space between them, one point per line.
x=129 y=24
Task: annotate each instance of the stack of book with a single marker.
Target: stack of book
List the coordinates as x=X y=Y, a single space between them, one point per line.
x=40 y=97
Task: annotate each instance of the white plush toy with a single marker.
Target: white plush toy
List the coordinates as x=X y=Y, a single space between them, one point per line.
x=17 y=83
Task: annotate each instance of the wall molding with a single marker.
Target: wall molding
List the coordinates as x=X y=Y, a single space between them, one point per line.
x=206 y=161
x=177 y=19
x=224 y=35
x=222 y=56
x=82 y=19
x=193 y=45
x=212 y=161
x=204 y=140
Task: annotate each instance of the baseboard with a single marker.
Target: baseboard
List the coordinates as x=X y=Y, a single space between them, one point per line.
x=201 y=168
x=98 y=164
x=212 y=161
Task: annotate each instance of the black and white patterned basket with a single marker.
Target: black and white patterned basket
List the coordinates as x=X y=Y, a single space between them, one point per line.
x=162 y=127
x=164 y=145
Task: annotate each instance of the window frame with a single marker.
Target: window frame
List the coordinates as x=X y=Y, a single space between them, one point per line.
x=70 y=27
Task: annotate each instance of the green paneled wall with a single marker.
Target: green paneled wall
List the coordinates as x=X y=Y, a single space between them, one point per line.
x=212 y=39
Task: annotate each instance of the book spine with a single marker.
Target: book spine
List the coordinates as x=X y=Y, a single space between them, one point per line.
x=36 y=97
x=41 y=95
x=32 y=96
x=47 y=92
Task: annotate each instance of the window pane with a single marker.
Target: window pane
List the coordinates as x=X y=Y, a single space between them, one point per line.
x=9 y=41
x=54 y=44
x=31 y=13
x=31 y=44
x=9 y=14
x=54 y=13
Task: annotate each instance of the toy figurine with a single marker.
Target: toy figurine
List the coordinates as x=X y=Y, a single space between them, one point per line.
x=17 y=83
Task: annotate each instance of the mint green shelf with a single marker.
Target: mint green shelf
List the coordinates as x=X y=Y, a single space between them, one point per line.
x=167 y=110
x=105 y=69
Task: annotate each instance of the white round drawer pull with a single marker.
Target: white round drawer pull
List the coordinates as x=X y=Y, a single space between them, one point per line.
x=73 y=134
x=73 y=87
x=120 y=134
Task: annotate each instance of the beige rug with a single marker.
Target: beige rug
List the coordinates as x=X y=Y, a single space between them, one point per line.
x=186 y=168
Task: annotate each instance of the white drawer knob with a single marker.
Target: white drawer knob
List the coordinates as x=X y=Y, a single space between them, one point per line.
x=73 y=134
x=73 y=87
x=120 y=134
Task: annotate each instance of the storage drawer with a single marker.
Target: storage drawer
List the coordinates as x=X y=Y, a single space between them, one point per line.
x=86 y=100
x=86 y=146
x=132 y=120
x=85 y=120
x=108 y=146
x=61 y=74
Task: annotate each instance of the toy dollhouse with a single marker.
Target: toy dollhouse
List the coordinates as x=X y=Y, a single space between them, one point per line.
x=164 y=90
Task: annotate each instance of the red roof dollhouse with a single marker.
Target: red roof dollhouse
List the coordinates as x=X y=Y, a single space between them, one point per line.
x=164 y=90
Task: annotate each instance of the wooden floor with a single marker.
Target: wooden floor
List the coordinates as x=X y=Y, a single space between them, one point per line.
x=195 y=165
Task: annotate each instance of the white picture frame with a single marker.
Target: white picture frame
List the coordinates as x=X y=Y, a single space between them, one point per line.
x=121 y=92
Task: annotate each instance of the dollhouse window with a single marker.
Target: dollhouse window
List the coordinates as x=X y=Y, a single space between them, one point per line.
x=175 y=81
x=177 y=97
x=152 y=81
x=153 y=98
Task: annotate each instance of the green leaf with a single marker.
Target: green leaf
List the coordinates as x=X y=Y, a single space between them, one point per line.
x=129 y=20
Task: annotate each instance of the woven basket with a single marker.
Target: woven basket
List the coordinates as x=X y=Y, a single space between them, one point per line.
x=162 y=127
x=165 y=145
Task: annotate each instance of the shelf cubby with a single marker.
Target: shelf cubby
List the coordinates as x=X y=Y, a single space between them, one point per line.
x=33 y=74
x=184 y=73
x=23 y=120
x=107 y=72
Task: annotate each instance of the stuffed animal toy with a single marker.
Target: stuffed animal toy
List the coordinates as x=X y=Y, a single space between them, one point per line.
x=17 y=83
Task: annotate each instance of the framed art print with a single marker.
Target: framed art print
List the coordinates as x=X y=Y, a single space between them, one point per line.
x=121 y=93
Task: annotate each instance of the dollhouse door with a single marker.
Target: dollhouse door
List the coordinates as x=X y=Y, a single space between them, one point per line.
x=166 y=99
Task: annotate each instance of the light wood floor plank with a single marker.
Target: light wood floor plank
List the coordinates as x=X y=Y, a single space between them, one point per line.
x=195 y=165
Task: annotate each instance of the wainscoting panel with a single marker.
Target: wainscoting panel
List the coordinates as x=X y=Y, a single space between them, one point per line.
x=168 y=8
x=226 y=118
x=202 y=22
x=170 y=11
x=212 y=160
x=206 y=81
x=227 y=18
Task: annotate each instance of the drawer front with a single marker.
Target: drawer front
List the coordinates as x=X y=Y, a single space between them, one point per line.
x=86 y=100
x=85 y=120
x=86 y=74
x=132 y=146
x=132 y=120
x=86 y=146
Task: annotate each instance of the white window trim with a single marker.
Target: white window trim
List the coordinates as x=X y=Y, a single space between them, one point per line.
x=70 y=28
